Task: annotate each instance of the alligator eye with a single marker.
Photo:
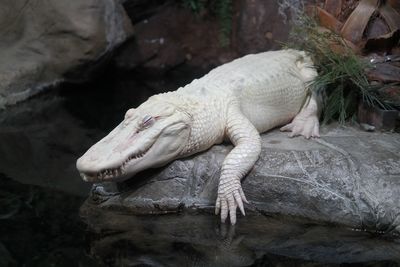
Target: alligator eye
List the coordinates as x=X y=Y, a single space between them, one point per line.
x=148 y=121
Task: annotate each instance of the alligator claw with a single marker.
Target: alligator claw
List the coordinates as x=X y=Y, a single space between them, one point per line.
x=227 y=203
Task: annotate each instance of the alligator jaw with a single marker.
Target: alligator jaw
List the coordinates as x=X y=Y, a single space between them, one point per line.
x=113 y=174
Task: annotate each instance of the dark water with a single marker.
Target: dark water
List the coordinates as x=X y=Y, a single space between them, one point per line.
x=41 y=194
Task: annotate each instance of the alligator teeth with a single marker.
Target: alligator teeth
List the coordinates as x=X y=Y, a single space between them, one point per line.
x=110 y=173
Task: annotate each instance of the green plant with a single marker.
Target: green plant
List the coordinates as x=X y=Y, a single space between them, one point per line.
x=342 y=76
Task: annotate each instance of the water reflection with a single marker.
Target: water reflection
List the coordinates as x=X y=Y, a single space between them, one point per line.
x=40 y=227
x=199 y=240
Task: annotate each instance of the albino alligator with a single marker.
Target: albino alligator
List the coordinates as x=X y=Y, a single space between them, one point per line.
x=237 y=100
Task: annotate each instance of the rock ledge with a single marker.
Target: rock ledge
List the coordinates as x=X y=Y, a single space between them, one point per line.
x=346 y=177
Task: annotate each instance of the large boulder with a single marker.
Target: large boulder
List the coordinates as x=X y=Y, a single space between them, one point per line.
x=346 y=177
x=46 y=41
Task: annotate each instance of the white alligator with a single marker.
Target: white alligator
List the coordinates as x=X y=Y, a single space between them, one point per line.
x=235 y=101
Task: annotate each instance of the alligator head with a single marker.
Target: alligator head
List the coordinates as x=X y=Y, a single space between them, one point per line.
x=150 y=136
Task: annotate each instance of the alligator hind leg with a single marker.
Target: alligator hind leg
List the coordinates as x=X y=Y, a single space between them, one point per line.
x=306 y=123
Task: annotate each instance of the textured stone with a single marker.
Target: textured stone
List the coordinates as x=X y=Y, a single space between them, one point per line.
x=347 y=177
x=45 y=41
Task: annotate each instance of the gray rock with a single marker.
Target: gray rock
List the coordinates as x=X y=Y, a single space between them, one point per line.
x=346 y=177
x=43 y=42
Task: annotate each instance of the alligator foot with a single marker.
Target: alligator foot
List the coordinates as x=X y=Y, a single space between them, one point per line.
x=306 y=123
x=230 y=197
x=307 y=126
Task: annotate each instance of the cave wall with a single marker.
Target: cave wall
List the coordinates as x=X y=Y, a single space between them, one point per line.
x=168 y=34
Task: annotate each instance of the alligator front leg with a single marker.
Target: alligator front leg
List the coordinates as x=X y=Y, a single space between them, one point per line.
x=237 y=163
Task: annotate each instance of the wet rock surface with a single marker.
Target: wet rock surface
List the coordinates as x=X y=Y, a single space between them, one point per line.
x=347 y=177
x=45 y=42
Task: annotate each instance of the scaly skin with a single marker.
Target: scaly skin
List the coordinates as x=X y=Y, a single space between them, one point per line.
x=237 y=101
